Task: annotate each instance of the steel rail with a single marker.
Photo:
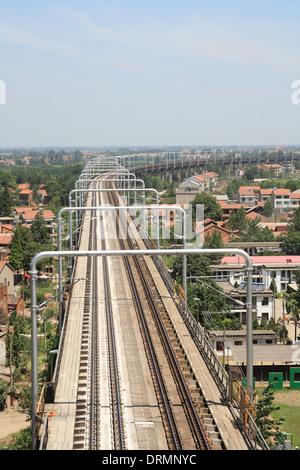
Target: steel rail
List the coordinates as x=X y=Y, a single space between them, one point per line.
x=115 y=390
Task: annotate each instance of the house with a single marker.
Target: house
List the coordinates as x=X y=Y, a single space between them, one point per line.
x=281 y=199
x=278 y=228
x=255 y=248
x=295 y=199
x=289 y=167
x=231 y=338
x=262 y=300
x=212 y=177
x=239 y=172
x=26 y=197
x=15 y=303
x=42 y=193
x=23 y=186
x=228 y=207
x=255 y=216
x=264 y=194
x=247 y=194
x=280 y=269
x=6 y=228
x=189 y=188
x=209 y=226
x=3 y=298
x=28 y=215
x=7 y=276
x=6 y=220
x=5 y=239
x=202 y=181
x=277 y=169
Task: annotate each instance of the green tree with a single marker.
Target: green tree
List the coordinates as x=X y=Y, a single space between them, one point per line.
x=232 y=187
x=5 y=202
x=214 y=240
x=15 y=251
x=295 y=222
x=291 y=243
x=212 y=208
x=265 y=407
x=268 y=208
x=237 y=221
x=212 y=306
x=19 y=242
x=39 y=230
x=15 y=339
x=196 y=266
x=3 y=394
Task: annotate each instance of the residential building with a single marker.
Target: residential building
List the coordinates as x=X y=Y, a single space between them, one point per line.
x=262 y=300
x=7 y=220
x=6 y=228
x=280 y=269
x=295 y=199
x=278 y=228
x=23 y=186
x=42 y=193
x=281 y=199
x=3 y=298
x=15 y=302
x=228 y=207
x=264 y=194
x=27 y=216
x=209 y=226
x=5 y=239
x=26 y=197
x=187 y=191
x=189 y=188
x=277 y=169
x=247 y=195
x=255 y=248
x=231 y=338
x=7 y=276
x=239 y=172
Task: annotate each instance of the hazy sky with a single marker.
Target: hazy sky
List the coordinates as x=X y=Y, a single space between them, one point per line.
x=134 y=72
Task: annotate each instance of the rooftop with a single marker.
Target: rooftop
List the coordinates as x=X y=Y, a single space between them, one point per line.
x=286 y=260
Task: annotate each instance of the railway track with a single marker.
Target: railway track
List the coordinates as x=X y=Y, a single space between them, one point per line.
x=179 y=404
x=181 y=433
x=88 y=411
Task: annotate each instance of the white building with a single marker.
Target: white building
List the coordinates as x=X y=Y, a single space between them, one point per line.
x=262 y=300
x=232 y=338
x=247 y=195
x=281 y=199
x=281 y=269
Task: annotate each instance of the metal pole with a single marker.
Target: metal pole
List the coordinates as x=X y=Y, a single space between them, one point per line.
x=34 y=357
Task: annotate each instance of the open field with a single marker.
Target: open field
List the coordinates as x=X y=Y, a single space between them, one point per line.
x=289 y=402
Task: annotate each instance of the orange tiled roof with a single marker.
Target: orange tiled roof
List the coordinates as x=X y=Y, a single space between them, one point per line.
x=5 y=239
x=282 y=191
